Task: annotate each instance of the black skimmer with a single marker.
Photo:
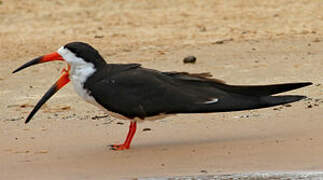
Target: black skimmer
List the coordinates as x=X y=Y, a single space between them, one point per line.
x=136 y=93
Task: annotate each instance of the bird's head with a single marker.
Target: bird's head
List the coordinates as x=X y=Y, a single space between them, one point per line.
x=77 y=55
x=74 y=54
x=80 y=53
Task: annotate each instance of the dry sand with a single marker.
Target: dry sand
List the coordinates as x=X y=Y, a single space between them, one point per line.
x=272 y=41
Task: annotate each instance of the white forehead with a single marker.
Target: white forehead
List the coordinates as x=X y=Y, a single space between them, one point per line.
x=63 y=51
x=70 y=56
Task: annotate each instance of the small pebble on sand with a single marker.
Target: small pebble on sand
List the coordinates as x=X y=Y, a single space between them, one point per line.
x=189 y=59
x=146 y=129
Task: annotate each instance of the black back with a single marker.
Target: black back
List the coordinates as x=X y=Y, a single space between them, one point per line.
x=133 y=91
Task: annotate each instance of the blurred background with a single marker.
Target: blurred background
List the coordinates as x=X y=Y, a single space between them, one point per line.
x=128 y=25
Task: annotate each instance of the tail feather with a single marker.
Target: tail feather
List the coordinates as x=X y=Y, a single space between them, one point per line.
x=244 y=103
x=263 y=90
x=268 y=101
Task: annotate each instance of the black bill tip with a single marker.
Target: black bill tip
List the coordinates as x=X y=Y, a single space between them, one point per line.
x=42 y=101
x=30 y=63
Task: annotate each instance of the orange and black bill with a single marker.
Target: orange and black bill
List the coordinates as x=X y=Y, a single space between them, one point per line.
x=51 y=91
x=62 y=81
x=49 y=57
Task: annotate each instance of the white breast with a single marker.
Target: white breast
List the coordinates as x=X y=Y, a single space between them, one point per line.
x=79 y=73
x=78 y=77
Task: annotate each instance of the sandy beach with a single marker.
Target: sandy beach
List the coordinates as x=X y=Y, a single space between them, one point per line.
x=240 y=42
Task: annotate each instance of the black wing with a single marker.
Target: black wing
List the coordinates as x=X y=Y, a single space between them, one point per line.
x=134 y=91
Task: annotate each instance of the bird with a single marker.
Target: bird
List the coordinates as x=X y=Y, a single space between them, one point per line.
x=135 y=93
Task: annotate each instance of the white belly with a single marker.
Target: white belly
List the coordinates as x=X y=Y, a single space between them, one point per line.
x=78 y=87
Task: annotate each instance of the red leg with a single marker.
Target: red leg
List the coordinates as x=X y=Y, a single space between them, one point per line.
x=131 y=134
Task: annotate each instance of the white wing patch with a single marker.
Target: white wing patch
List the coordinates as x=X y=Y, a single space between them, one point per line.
x=214 y=100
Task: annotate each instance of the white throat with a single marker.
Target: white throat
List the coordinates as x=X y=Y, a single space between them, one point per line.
x=79 y=73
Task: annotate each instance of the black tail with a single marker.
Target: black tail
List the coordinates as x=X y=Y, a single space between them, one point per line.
x=262 y=90
x=236 y=98
x=268 y=101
